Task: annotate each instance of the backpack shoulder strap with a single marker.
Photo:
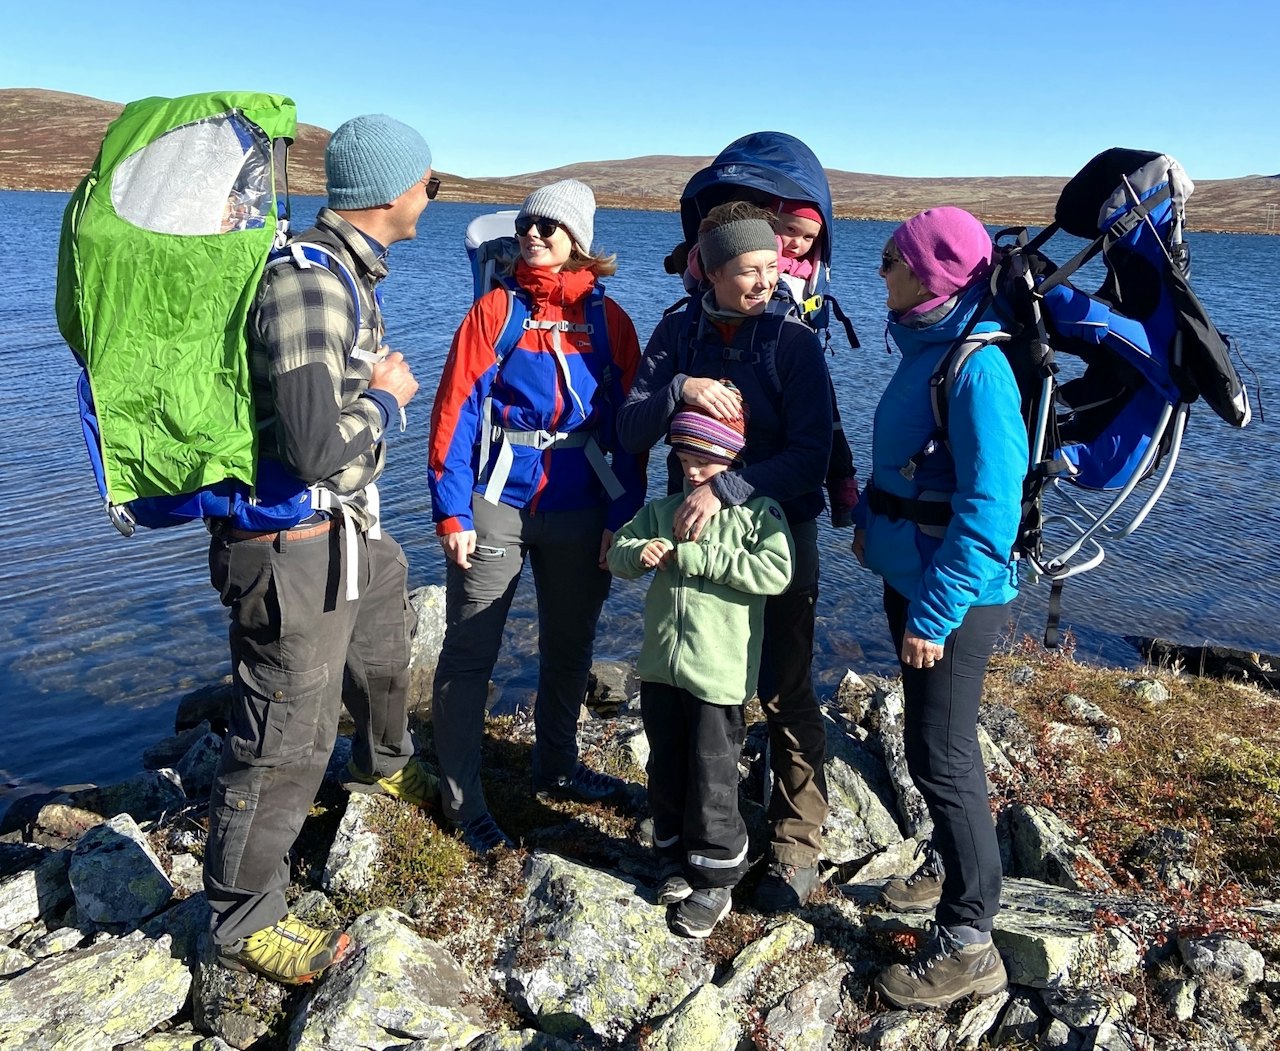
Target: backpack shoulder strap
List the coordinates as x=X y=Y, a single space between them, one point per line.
x=306 y=254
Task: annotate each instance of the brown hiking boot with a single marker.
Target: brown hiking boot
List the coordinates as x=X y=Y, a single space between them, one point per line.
x=944 y=971
x=919 y=892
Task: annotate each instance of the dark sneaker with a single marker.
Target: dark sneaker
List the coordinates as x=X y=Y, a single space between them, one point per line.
x=673 y=886
x=584 y=785
x=697 y=915
x=483 y=835
x=919 y=892
x=944 y=971
x=289 y=951
x=414 y=783
x=785 y=887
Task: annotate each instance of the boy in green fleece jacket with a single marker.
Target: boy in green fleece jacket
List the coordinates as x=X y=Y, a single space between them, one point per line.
x=703 y=621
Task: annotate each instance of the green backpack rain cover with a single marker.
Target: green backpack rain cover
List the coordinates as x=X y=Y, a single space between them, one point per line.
x=162 y=249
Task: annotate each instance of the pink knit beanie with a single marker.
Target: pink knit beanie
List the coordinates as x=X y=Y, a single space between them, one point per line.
x=947 y=249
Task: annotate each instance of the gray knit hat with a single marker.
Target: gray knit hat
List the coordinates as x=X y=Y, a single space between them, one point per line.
x=372 y=160
x=717 y=246
x=570 y=203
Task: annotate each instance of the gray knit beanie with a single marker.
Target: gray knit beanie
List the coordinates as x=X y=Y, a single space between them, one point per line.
x=570 y=203
x=372 y=160
x=717 y=246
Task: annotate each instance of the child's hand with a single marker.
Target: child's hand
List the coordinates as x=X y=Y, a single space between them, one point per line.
x=657 y=554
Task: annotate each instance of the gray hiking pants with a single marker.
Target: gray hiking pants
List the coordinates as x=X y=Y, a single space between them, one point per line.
x=563 y=548
x=299 y=649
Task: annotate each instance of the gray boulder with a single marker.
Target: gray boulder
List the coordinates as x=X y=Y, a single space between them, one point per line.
x=783 y=938
x=392 y=987
x=592 y=957
x=198 y=766
x=103 y=996
x=168 y=752
x=39 y=890
x=353 y=856
x=1046 y=848
x=706 y=1021
x=115 y=875
x=804 y=1018
x=861 y=819
x=147 y=796
x=428 y=606
x=1223 y=957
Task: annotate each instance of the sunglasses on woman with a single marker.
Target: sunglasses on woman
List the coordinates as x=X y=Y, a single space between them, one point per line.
x=433 y=187
x=546 y=227
x=887 y=261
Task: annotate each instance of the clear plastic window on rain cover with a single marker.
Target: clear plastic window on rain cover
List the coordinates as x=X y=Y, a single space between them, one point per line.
x=209 y=177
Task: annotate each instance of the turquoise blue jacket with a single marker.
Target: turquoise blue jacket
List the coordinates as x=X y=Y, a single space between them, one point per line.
x=970 y=562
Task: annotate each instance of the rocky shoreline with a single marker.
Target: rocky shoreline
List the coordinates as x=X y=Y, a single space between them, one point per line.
x=103 y=943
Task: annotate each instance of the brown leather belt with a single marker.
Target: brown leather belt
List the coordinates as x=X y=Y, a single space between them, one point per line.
x=305 y=533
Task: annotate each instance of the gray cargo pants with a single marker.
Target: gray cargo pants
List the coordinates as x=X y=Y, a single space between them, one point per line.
x=299 y=649
x=564 y=549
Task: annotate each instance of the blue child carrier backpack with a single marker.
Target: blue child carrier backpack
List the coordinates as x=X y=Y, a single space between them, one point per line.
x=1149 y=351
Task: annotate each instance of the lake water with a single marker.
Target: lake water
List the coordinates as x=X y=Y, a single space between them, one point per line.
x=100 y=636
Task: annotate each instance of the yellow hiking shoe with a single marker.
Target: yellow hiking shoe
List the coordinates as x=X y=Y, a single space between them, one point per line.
x=289 y=951
x=414 y=783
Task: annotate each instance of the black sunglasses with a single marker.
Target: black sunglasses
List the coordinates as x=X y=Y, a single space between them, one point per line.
x=433 y=188
x=887 y=261
x=546 y=227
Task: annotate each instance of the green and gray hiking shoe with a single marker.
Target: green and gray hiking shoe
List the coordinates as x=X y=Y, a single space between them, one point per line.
x=289 y=951
x=414 y=783
x=944 y=971
x=919 y=892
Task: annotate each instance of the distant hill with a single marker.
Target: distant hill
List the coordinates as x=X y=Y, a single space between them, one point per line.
x=48 y=139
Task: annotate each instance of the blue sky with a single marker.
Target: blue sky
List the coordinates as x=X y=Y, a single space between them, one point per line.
x=920 y=88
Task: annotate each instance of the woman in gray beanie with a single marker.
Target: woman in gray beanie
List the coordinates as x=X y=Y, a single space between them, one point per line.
x=736 y=330
x=524 y=465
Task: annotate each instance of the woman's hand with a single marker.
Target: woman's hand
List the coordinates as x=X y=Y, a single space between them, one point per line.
x=712 y=397
x=458 y=547
x=657 y=554
x=606 y=542
x=918 y=652
x=695 y=512
x=859 y=547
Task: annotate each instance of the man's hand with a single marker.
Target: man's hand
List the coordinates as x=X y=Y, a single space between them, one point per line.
x=458 y=547
x=712 y=397
x=606 y=542
x=695 y=512
x=393 y=375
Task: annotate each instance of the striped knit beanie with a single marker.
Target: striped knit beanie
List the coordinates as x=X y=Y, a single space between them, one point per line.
x=692 y=430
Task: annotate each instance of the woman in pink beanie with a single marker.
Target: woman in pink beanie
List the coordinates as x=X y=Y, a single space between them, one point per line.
x=941 y=535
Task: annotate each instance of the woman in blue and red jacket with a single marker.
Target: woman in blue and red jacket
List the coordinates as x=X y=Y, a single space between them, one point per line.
x=523 y=463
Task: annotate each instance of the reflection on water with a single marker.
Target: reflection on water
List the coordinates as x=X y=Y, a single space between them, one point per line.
x=102 y=635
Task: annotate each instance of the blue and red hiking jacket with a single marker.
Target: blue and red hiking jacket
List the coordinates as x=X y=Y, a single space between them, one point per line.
x=529 y=392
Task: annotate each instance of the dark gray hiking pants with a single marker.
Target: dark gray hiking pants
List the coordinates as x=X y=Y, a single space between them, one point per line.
x=564 y=549
x=945 y=761
x=299 y=649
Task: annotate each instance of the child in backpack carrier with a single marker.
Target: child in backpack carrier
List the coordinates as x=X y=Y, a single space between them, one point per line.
x=703 y=633
x=799 y=229
x=798 y=225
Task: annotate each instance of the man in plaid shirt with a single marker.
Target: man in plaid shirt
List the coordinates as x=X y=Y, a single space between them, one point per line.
x=320 y=615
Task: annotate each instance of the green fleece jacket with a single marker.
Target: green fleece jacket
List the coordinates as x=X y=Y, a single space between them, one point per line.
x=704 y=614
